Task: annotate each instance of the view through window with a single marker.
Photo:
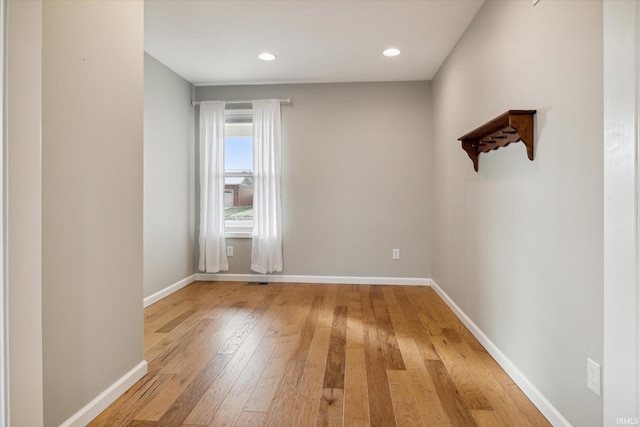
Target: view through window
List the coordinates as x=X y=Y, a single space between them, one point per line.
x=238 y=160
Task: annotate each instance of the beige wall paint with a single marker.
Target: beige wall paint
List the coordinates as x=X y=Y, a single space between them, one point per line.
x=356 y=177
x=23 y=197
x=92 y=202
x=519 y=245
x=169 y=178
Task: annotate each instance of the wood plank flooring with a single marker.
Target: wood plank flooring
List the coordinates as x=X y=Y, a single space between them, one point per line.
x=235 y=354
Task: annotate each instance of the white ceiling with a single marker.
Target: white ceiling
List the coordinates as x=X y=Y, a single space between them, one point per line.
x=216 y=42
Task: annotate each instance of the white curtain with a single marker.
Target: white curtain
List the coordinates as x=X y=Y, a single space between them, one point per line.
x=266 y=249
x=213 y=247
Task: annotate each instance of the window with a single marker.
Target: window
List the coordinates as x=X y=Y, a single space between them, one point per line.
x=238 y=174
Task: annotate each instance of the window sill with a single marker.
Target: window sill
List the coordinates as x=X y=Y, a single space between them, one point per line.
x=238 y=229
x=238 y=234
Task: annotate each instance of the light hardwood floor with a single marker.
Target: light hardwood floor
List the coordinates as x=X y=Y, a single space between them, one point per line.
x=236 y=354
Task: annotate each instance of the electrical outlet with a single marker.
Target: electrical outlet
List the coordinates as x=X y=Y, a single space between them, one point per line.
x=396 y=254
x=229 y=250
x=593 y=376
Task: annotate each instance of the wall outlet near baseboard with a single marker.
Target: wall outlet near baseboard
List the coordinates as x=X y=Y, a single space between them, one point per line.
x=593 y=376
x=395 y=254
x=229 y=250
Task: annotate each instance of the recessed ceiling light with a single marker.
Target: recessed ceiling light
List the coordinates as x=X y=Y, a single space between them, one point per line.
x=392 y=51
x=266 y=56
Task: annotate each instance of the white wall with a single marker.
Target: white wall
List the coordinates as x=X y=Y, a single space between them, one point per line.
x=356 y=177
x=169 y=178
x=24 y=193
x=92 y=199
x=519 y=245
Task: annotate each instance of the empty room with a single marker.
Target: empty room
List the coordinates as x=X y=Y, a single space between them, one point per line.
x=320 y=212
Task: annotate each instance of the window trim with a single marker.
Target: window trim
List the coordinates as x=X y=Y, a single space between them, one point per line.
x=234 y=229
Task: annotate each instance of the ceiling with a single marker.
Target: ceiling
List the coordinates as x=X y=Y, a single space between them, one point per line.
x=216 y=42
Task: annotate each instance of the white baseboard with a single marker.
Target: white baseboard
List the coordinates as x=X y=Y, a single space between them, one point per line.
x=107 y=397
x=168 y=290
x=542 y=403
x=287 y=278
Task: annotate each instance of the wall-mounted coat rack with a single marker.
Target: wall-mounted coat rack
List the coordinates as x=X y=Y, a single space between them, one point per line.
x=512 y=126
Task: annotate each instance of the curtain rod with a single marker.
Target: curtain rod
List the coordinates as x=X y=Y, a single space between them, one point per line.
x=286 y=101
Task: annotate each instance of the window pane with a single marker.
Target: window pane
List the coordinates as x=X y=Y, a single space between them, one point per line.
x=238 y=153
x=238 y=159
x=238 y=198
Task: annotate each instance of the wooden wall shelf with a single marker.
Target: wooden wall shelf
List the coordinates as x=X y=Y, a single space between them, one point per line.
x=512 y=126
